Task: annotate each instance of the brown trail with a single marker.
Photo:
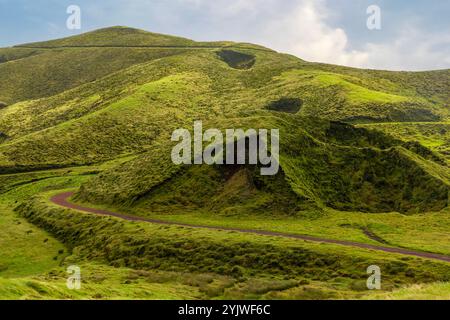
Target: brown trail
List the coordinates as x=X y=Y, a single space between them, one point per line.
x=62 y=200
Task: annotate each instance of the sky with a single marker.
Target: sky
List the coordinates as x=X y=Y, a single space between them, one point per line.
x=413 y=34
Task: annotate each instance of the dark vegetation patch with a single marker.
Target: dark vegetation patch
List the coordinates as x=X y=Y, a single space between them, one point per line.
x=403 y=114
x=237 y=60
x=413 y=115
x=424 y=152
x=229 y=189
x=344 y=133
x=3 y=137
x=361 y=170
x=3 y=104
x=289 y=105
x=372 y=235
x=340 y=132
x=369 y=180
x=32 y=168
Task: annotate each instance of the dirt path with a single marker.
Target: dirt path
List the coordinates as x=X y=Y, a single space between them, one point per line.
x=62 y=200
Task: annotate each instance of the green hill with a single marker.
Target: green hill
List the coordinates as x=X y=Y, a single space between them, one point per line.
x=362 y=152
x=43 y=69
x=130 y=110
x=114 y=36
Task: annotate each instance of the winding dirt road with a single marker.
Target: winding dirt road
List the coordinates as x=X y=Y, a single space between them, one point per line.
x=62 y=200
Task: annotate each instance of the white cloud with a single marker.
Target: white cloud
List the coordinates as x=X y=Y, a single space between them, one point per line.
x=305 y=33
x=413 y=49
x=299 y=27
x=301 y=31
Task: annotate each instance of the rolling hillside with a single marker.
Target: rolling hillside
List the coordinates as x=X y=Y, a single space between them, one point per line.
x=132 y=109
x=362 y=152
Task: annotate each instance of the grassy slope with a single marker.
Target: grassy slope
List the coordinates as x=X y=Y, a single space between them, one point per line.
x=435 y=136
x=98 y=129
x=26 y=250
x=102 y=282
x=122 y=243
x=231 y=92
x=112 y=88
x=416 y=292
x=432 y=85
x=119 y=108
x=33 y=263
x=324 y=164
x=43 y=69
x=115 y=36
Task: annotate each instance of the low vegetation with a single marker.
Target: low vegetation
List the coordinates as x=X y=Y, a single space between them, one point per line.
x=129 y=244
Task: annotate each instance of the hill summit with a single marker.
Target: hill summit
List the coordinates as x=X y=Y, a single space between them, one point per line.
x=115 y=36
x=119 y=36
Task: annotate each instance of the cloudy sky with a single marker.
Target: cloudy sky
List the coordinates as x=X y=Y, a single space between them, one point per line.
x=414 y=35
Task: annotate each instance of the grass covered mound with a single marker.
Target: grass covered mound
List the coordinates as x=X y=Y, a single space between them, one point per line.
x=224 y=190
x=354 y=99
x=325 y=163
